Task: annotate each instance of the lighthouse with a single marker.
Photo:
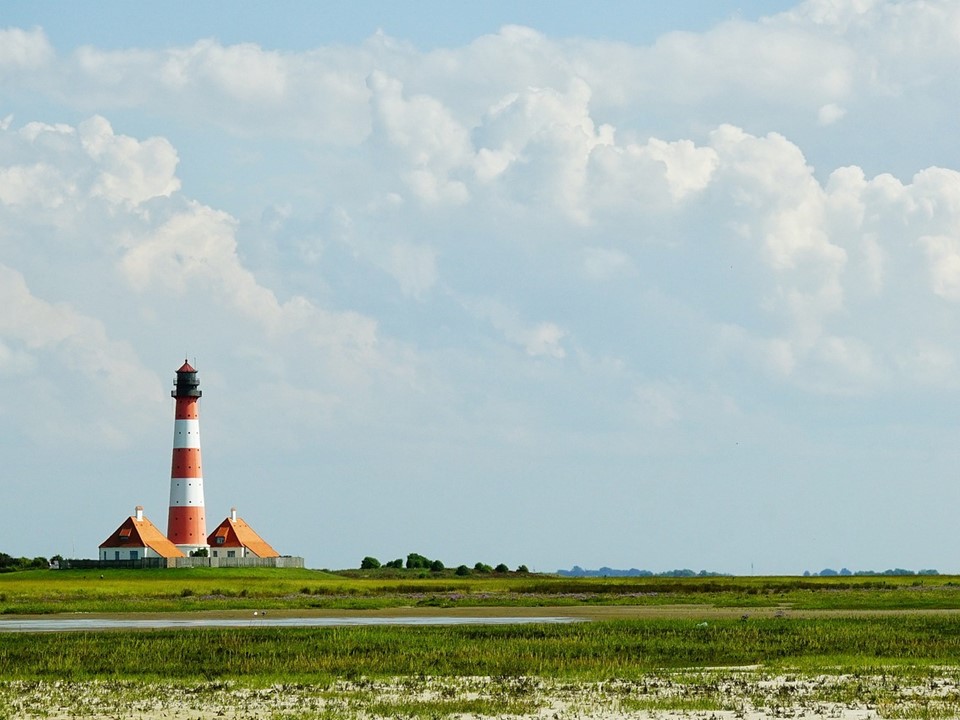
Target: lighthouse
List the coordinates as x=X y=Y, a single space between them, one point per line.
x=186 y=523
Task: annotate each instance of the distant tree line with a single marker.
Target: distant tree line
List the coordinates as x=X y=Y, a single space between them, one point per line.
x=416 y=561
x=12 y=564
x=577 y=571
x=844 y=572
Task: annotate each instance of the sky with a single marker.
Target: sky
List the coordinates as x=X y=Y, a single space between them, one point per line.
x=649 y=285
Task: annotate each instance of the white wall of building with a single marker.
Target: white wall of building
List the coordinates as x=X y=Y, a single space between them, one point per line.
x=127 y=553
x=224 y=552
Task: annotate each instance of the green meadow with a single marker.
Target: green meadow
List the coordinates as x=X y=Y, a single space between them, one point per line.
x=625 y=649
x=658 y=623
x=192 y=589
x=779 y=646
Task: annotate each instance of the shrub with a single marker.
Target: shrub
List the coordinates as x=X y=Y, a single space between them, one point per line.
x=482 y=567
x=523 y=569
x=369 y=563
x=10 y=564
x=463 y=570
x=501 y=568
x=436 y=566
x=416 y=560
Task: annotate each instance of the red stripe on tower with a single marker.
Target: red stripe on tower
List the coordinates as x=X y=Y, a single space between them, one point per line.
x=187 y=522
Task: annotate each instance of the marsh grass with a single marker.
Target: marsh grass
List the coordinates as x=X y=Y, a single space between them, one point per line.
x=736 y=692
x=188 y=589
x=630 y=649
x=676 y=704
x=905 y=665
x=451 y=706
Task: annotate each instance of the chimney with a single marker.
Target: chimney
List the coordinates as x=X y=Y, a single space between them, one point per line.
x=139 y=513
x=233 y=514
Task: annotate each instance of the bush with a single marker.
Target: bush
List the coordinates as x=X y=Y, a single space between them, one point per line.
x=436 y=566
x=501 y=568
x=463 y=570
x=369 y=563
x=417 y=561
x=523 y=569
x=482 y=567
x=11 y=564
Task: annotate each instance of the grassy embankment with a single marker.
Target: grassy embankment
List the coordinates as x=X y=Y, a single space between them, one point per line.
x=40 y=592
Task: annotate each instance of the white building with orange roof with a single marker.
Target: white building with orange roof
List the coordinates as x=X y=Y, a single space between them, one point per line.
x=233 y=538
x=138 y=538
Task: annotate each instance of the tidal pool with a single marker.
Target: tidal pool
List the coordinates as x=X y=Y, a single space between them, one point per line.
x=61 y=624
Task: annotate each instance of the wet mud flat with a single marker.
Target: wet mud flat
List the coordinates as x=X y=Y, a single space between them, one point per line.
x=712 y=694
x=199 y=620
x=493 y=615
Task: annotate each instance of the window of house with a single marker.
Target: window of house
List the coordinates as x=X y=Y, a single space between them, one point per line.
x=231 y=553
x=134 y=554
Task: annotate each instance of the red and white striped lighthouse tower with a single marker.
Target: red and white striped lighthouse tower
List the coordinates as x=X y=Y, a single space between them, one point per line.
x=186 y=523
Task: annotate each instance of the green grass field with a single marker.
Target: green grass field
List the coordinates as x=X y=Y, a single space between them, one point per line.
x=626 y=649
x=808 y=635
x=889 y=644
x=43 y=591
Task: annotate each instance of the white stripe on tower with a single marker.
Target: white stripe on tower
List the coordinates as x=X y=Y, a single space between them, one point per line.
x=186 y=433
x=186 y=522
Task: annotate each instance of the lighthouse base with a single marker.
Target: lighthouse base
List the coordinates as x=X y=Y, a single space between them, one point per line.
x=194 y=550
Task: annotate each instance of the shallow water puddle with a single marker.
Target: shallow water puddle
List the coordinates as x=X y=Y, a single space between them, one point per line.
x=265 y=620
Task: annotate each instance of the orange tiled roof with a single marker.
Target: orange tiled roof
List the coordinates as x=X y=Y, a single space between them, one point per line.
x=236 y=533
x=135 y=533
